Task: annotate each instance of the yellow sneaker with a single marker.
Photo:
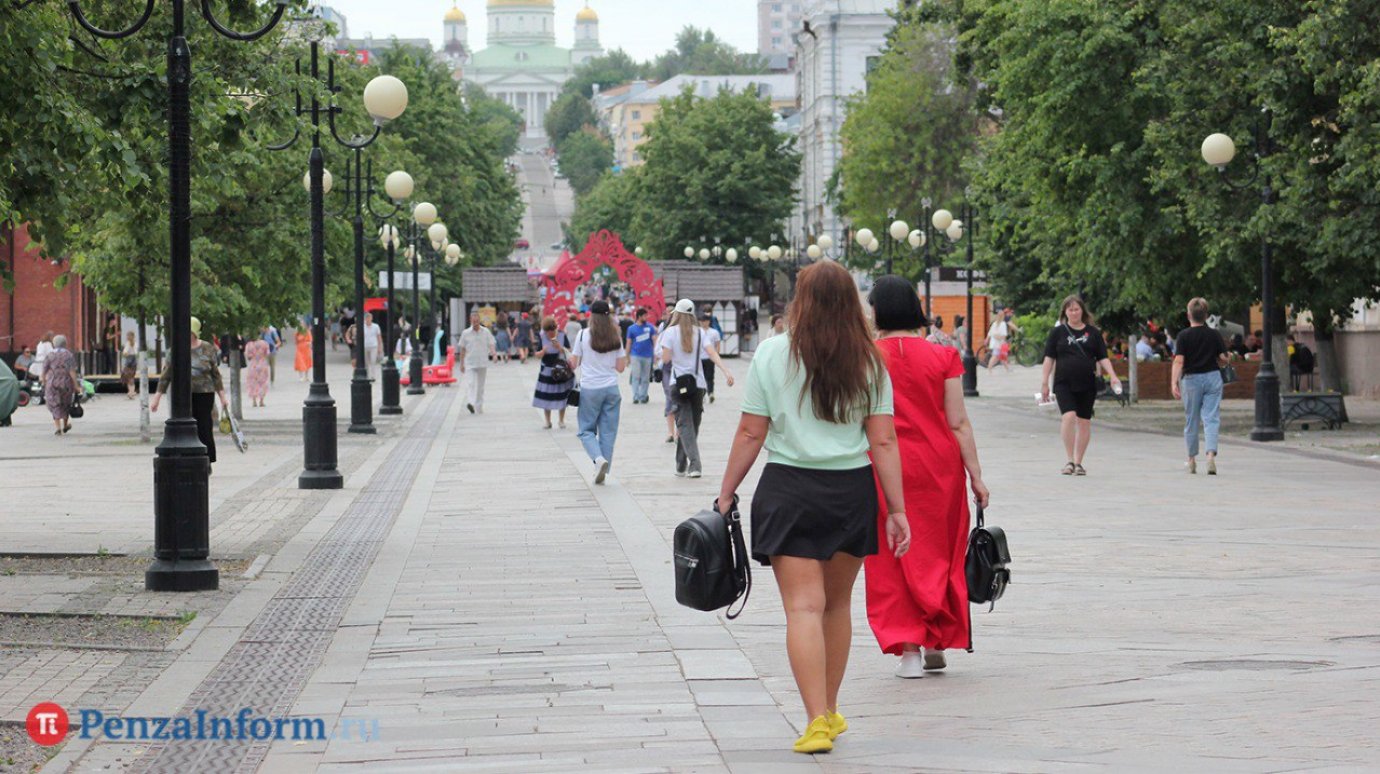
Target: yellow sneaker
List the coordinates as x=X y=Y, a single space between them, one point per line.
x=837 y=724
x=818 y=737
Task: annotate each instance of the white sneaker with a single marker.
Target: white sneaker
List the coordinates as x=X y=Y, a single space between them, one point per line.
x=912 y=665
x=934 y=660
x=694 y=474
x=680 y=473
x=601 y=470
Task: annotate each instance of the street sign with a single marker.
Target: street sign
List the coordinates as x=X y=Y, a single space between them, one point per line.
x=957 y=274
x=404 y=279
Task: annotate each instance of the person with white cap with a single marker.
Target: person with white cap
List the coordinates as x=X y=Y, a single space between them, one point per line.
x=683 y=344
x=206 y=385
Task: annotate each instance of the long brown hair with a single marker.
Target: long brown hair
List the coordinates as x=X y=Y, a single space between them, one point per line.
x=1088 y=318
x=688 y=329
x=831 y=339
x=603 y=333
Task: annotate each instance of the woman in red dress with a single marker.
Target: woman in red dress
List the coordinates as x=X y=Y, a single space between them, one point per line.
x=921 y=599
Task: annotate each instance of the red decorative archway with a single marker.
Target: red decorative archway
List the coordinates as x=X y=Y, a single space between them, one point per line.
x=605 y=247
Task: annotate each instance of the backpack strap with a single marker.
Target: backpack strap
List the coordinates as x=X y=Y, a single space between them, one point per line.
x=740 y=556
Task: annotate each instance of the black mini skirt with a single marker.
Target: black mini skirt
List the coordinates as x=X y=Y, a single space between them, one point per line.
x=814 y=514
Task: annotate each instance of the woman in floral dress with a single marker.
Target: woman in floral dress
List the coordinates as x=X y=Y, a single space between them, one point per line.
x=60 y=383
x=256 y=381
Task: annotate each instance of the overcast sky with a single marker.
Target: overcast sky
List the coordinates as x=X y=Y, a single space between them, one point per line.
x=644 y=28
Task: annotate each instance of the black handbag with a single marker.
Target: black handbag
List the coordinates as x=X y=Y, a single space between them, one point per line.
x=572 y=398
x=1228 y=374
x=686 y=384
x=711 y=561
x=76 y=411
x=986 y=566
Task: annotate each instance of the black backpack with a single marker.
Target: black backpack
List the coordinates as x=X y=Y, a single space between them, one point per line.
x=986 y=566
x=711 y=561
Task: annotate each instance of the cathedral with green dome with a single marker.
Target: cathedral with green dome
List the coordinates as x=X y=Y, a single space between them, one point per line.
x=521 y=63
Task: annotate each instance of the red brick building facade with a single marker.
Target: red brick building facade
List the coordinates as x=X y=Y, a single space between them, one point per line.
x=35 y=305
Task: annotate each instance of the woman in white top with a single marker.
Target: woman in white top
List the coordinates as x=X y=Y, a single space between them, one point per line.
x=599 y=357
x=45 y=345
x=683 y=344
x=998 y=342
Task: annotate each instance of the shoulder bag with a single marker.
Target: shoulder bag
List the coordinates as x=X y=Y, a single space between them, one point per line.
x=711 y=561
x=687 y=385
x=986 y=566
x=1099 y=381
x=572 y=398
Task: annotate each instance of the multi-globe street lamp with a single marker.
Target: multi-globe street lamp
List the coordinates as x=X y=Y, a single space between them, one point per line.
x=390 y=239
x=1219 y=150
x=423 y=216
x=181 y=469
x=360 y=187
x=385 y=98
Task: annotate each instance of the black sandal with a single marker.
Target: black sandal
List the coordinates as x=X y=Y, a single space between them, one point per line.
x=1079 y=471
x=1069 y=468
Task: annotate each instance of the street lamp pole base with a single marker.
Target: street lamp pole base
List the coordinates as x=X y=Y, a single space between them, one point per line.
x=362 y=404
x=391 y=390
x=187 y=575
x=970 y=389
x=182 y=517
x=319 y=441
x=414 y=375
x=1267 y=410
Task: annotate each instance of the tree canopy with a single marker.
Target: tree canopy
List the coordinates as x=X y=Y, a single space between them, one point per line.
x=907 y=137
x=714 y=168
x=84 y=148
x=585 y=157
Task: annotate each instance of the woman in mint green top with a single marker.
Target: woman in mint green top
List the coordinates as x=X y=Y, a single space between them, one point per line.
x=819 y=399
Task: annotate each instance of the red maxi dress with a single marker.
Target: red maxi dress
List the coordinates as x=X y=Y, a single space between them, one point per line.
x=922 y=597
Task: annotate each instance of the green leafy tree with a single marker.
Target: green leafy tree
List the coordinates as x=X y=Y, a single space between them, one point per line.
x=701 y=52
x=714 y=167
x=909 y=134
x=500 y=120
x=609 y=205
x=585 y=157
x=605 y=71
x=568 y=115
x=461 y=167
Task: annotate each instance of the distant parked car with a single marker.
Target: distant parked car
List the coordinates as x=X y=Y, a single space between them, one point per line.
x=522 y=244
x=558 y=245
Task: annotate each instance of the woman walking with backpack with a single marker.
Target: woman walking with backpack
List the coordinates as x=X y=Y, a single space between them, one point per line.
x=687 y=347
x=819 y=399
x=1075 y=352
x=920 y=601
x=599 y=357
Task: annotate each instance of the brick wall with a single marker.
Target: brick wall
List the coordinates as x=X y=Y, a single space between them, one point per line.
x=35 y=305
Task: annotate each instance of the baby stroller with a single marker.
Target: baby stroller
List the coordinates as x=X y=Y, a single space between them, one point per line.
x=9 y=394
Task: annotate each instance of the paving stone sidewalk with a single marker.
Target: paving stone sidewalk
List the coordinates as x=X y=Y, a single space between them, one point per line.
x=517 y=618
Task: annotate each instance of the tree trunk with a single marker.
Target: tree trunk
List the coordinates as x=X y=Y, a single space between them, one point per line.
x=1329 y=368
x=144 y=435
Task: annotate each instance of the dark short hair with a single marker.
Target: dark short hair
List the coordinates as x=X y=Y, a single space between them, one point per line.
x=641 y=312
x=895 y=305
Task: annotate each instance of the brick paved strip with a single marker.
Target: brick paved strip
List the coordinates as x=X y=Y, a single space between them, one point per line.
x=267 y=668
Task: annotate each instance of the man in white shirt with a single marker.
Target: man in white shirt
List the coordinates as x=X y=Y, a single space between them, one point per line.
x=476 y=345
x=373 y=339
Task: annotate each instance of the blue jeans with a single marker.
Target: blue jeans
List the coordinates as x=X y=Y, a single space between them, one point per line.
x=641 y=378
x=598 y=420
x=1202 y=405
